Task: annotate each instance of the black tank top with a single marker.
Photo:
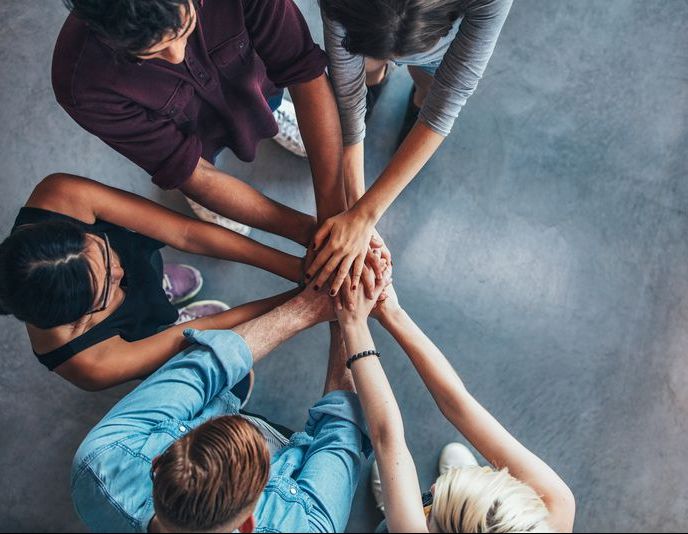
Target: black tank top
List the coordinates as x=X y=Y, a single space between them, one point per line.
x=145 y=309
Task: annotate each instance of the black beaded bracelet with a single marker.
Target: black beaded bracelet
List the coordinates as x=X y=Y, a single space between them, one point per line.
x=361 y=355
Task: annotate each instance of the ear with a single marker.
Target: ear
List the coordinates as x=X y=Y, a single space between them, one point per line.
x=249 y=525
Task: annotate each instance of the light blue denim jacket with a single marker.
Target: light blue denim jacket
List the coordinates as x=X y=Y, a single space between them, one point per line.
x=312 y=480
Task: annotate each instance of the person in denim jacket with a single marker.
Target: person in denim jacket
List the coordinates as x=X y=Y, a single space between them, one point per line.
x=176 y=454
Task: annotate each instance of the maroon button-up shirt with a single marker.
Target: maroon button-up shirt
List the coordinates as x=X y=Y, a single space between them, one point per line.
x=164 y=117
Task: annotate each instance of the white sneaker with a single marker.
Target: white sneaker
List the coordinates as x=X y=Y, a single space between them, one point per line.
x=376 y=486
x=200 y=308
x=206 y=215
x=289 y=135
x=456 y=455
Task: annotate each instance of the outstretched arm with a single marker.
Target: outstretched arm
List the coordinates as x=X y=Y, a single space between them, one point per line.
x=115 y=361
x=87 y=200
x=400 y=486
x=493 y=441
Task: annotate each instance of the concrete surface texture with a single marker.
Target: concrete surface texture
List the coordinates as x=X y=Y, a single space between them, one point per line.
x=543 y=248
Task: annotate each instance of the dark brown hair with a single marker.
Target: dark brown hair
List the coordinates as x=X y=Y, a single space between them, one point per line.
x=383 y=29
x=210 y=476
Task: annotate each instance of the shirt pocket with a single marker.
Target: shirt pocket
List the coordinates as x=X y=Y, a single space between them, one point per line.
x=177 y=107
x=233 y=56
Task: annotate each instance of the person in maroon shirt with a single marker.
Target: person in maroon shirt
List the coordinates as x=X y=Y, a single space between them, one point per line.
x=170 y=83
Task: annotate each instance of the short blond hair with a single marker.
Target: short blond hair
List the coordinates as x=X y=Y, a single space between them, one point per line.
x=480 y=499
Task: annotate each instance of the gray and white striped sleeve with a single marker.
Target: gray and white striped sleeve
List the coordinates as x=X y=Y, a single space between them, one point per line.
x=347 y=72
x=464 y=63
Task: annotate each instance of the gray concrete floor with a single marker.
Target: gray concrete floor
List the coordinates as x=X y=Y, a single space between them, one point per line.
x=543 y=248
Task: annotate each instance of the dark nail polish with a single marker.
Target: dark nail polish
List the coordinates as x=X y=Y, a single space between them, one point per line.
x=308 y=275
x=316 y=287
x=332 y=293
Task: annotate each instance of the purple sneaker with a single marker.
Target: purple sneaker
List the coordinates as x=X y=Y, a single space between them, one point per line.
x=181 y=282
x=199 y=309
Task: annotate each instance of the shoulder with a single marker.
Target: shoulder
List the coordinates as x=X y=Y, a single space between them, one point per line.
x=66 y=194
x=110 y=487
x=83 y=67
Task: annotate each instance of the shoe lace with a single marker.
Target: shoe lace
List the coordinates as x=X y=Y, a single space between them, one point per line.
x=288 y=126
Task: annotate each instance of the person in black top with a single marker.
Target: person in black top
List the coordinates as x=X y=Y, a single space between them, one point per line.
x=82 y=269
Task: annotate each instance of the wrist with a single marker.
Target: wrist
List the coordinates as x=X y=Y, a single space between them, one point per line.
x=364 y=212
x=391 y=318
x=353 y=324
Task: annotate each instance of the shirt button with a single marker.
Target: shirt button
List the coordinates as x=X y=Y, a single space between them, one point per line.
x=292 y=491
x=182 y=428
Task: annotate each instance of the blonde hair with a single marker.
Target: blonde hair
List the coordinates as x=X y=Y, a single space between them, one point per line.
x=480 y=499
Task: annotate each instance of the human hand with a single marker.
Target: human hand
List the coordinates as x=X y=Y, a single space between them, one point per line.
x=342 y=244
x=317 y=306
x=355 y=306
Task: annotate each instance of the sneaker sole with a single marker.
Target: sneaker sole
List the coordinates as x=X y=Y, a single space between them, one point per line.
x=193 y=293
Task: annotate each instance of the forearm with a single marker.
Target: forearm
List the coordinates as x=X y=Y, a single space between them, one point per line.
x=119 y=361
x=233 y=198
x=378 y=401
x=268 y=331
x=418 y=147
x=338 y=377
x=217 y=242
x=354 y=173
x=318 y=118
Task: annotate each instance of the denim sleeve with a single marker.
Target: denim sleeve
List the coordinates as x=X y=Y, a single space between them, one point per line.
x=464 y=63
x=180 y=389
x=332 y=464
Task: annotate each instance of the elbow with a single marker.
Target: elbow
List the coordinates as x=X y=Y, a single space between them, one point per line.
x=91 y=383
x=52 y=183
x=562 y=507
x=387 y=436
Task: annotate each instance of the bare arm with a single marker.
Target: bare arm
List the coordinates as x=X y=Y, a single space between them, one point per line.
x=493 y=441
x=115 y=361
x=86 y=200
x=400 y=486
x=345 y=238
x=316 y=111
x=229 y=196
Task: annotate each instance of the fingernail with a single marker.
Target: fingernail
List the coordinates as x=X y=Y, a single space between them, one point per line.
x=332 y=292
x=308 y=275
x=353 y=288
x=351 y=307
x=316 y=287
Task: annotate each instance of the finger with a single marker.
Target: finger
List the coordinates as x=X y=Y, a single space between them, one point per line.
x=349 y=296
x=369 y=277
x=323 y=257
x=338 y=303
x=344 y=267
x=321 y=235
x=376 y=242
x=386 y=254
x=338 y=280
x=376 y=265
x=368 y=287
x=359 y=263
x=326 y=272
